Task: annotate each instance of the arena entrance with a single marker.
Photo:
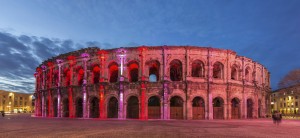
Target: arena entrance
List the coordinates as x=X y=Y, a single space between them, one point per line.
x=154 y=108
x=55 y=107
x=235 y=108
x=218 y=104
x=198 y=108
x=94 y=107
x=249 y=108
x=176 y=108
x=47 y=107
x=259 y=109
x=66 y=107
x=79 y=107
x=112 y=108
x=41 y=109
x=133 y=107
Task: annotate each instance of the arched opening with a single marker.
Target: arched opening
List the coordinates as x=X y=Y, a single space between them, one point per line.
x=79 y=107
x=175 y=70
x=247 y=76
x=94 y=107
x=96 y=74
x=113 y=72
x=153 y=71
x=112 y=108
x=55 y=107
x=234 y=73
x=55 y=78
x=197 y=68
x=80 y=74
x=259 y=109
x=67 y=76
x=66 y=107
x=218 y=104
x=218 y=70
x=48 y=79
x=198 y=108
x=176 y=108
x=249 y=108
x=253 y=75
x=133 y=107
x=133 y=68
x=235 y=108
x=41 y=106
x=154 y=108
x=47 y=107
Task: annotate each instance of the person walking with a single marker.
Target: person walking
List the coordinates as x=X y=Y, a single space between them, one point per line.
x=3 y=114
x=273 y=117
x=279 y=117
x=276 y=117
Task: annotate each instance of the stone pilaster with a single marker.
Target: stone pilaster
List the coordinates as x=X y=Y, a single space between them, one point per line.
x=121 y=86
x=166 y=114
x=121 y=98
x=143 y=87
x=84 y=92
x=44 y=110
x=101 y=86
x=209 y=113
x=59 y=113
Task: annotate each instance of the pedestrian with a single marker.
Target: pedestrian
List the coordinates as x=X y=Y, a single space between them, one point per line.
x=3 y=114
x=273 y=117
x=277 y=117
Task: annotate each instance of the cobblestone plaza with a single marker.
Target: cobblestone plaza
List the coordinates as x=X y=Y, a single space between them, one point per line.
x=22 y=125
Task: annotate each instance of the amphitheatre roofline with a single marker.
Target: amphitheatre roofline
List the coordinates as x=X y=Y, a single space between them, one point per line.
x=93 y=48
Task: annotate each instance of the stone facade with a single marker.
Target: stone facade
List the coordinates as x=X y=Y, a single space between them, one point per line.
x=152 y=82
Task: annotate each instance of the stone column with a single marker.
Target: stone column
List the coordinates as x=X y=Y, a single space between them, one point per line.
x=121 y=86
x=166 y=110
x=165 y=86
x=209 y=93
x=43 y=93
x=121 y=98
x=35 y=95
x=59 y=113
x=101 y=102
x=242 y=102
x=50 y=107
x=102 y=114
x=143 y=98
x=84 y=92
x=70 y=91
x=143 y=87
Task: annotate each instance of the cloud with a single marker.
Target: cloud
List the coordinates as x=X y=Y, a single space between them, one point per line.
x=20 y=55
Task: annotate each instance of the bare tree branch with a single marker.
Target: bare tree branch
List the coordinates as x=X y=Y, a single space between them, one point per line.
x=292 y=78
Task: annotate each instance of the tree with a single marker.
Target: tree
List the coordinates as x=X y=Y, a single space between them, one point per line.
x=292 y=78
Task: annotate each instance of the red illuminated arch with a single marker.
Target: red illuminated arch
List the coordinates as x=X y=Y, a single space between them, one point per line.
x=113 y=72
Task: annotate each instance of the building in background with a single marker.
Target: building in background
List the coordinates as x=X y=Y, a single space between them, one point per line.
x=286 y=100
x=14 y=102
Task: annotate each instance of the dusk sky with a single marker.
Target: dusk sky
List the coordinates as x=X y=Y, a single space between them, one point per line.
x=31 y=31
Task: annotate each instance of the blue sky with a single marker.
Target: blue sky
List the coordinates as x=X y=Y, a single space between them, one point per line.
x=268 y=31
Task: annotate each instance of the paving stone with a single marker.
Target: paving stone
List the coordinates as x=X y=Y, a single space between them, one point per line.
x=23 y=125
